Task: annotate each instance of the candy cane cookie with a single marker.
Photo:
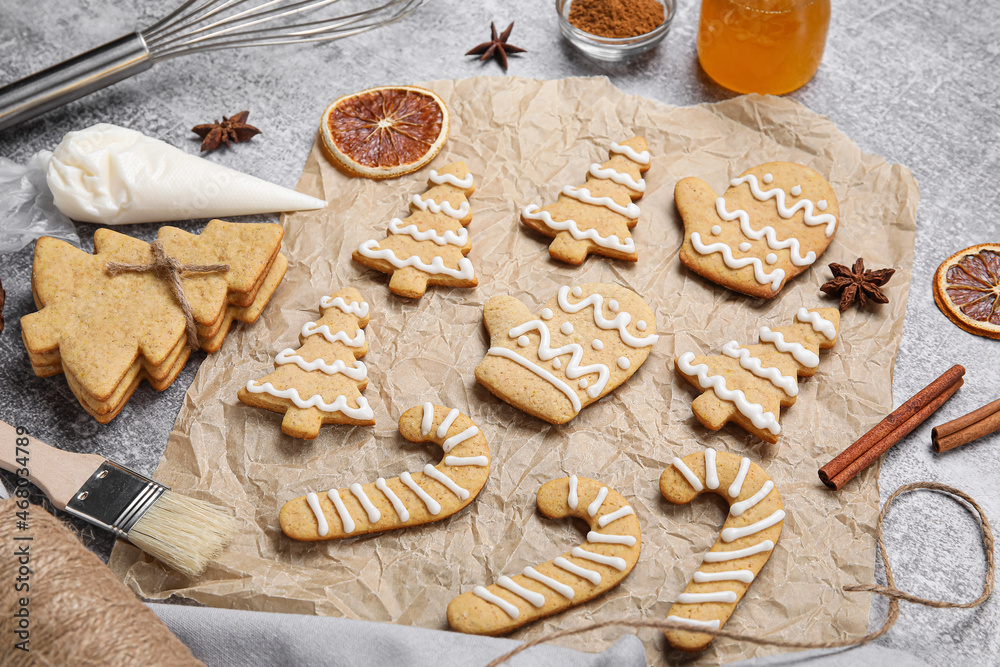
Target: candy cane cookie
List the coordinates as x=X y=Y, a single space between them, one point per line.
x=581 y=574
x=412 y=499
x=748 y=537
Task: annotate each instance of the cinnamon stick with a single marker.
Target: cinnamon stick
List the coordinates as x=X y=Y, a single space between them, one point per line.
x=891 y=430
x=975 y=425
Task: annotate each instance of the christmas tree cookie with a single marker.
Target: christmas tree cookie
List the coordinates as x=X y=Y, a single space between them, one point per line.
x=320 y=382
x=430 y=246
x=749 y=385
x=772 y=223
x=596 y=217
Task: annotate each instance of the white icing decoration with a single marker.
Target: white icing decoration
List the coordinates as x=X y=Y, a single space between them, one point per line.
x=630 y=210
x=321 y=526
x=722 y=556
x=445 y=426
x=763 y=277
x=427 y=419
x=464 y=272
x=711 y=471
x=611 y=561
x=532 y=597
x=373 y=514
x=717 y=229
x=620 y=321
x=614 y=516
x=693 y=622
x=458 y=439
x=736 y=488
x=601 y=538
x=630 y=153
x=745 y=247
x=448 y=482
x=566 y=328
x=770 y=258
x=352 y=308
x=641 y=325
x=458 y=461
x=800 y=353
x=432 y=505
x=573 y=368
x=612 y=305
x=582 y=572
x=624 y=363
x=546 y=313
x=523 y=341
x=718 y=596
x=443 y=207
x=796 y=190
x=597 y=344
x=688 y=474
x=358 y=371
x=819 y=323
x=738 y=509
x=507 y=607
x=394 y=500
x=311 y=329
x=752 y=411
x=572 y=499
x=595 y=506
x=363 y=411
x=459 y=238
x=746 y=576
x=557 y=363
x=583 y=383
x=786 y=383
x=767 y=232
x=767 y=178
x=805 y=205
x=532 y=212
x=559 y=587
x=452 y=179
x=345 y=518
x=618 y=177
x=733 y=534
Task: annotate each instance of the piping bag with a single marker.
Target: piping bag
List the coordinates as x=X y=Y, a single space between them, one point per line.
x=112 y=175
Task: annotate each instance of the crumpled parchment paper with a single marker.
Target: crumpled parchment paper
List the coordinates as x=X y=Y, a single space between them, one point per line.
x=523 y=140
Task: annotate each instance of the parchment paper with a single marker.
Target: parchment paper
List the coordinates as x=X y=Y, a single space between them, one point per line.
x=523 y=140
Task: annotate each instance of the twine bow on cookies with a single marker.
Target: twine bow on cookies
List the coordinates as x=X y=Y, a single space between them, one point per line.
x=169 y=269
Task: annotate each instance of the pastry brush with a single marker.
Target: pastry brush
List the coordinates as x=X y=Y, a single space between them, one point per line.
x=182 y=532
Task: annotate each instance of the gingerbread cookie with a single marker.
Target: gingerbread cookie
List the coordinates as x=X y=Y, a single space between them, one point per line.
x=320 y=382
x=408 y=500
x=581 y=574
x=749 y=385
x=596 y=218
x=748 y=537
x=749 y=243
x=430 y=246
x=537 y=363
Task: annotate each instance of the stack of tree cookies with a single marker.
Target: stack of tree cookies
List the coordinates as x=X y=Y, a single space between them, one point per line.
x=133 y=311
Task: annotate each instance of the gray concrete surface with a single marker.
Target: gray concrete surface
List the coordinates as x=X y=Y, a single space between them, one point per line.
x=915 y=82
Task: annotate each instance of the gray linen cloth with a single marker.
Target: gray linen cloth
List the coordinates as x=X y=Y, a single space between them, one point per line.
x=223 y=637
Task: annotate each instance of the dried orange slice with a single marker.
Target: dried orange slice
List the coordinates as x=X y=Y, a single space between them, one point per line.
x=967 y=289
x=385 y=132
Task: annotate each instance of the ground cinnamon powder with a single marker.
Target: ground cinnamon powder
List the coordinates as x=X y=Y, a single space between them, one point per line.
x=616 y=18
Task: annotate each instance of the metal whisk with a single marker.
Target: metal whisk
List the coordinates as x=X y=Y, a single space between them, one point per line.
x=195 y=26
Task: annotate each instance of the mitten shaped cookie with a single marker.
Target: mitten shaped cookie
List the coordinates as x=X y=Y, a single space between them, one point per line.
x=430 y=246
x=583 y=344
x=772 y=223
x=749 y=385
x=744 y=546
x=596 y=218
x=321 y=382
x=408 y=500
x=601 y=563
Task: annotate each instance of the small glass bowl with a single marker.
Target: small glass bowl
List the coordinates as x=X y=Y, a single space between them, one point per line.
x=613 y=49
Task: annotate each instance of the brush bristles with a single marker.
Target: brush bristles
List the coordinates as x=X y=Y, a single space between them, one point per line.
x=183 y=532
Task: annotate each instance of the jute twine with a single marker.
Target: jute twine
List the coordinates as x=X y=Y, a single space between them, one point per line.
x=169 y=269
x=889 y=591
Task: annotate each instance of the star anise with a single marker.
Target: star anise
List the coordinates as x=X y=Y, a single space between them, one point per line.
x=234 y=129
x=856 y=284
x=497 y=47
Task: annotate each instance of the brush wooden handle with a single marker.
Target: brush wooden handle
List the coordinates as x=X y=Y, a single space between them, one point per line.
x=59 y=474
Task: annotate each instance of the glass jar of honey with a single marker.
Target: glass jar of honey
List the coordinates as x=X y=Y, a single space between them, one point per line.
x=762 y=46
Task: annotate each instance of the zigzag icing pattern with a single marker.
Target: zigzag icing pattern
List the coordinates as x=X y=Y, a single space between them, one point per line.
x=465 y=271
x=805 y=205
x=287 y=356
x=752 y=411
x=620 y=321
x=774 y=278
x=613 y=242
x=443 y=207
x=363 y=411
x=459 y=238
x=352 y=308
x=630 y=210
x=769 y=233
x=786 y=383
x=608 y=173
x=573 y=368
